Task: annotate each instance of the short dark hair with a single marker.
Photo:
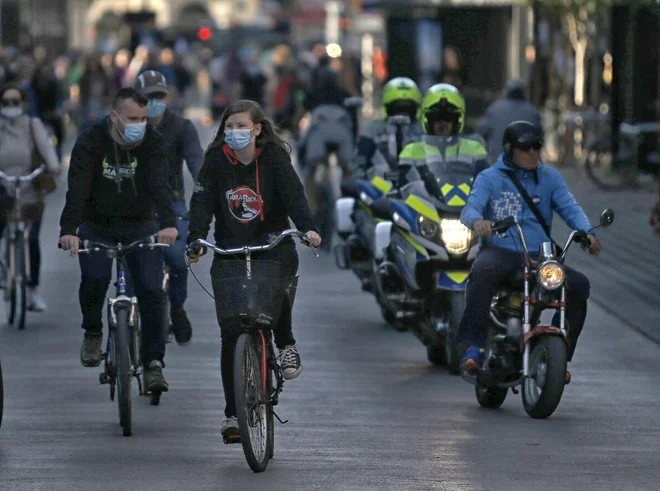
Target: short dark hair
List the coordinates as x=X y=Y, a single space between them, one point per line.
x=13 y=86
x=128 y=93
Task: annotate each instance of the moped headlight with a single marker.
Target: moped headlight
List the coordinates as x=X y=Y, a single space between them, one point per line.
x=456 y=236
x=551 y=275
x=428 y=228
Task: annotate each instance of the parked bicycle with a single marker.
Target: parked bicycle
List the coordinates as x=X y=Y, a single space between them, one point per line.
x=629 y=167
x=122 y=357
x=15 y=267
x=252 y=304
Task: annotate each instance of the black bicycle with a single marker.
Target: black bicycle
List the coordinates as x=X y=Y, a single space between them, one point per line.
x=122 y=357
x=253 y=293
x=15 y=267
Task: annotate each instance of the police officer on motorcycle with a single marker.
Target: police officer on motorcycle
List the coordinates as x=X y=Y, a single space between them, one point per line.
x=443 y=150
x=377 y=144
x=495 y=196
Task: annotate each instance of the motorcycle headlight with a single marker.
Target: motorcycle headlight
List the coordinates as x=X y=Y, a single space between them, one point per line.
x=456 y=236
x=428 y=228
x=551 y=275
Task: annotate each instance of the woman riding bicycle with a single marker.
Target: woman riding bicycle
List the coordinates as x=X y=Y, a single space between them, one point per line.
x=248 y=184
x=21 y=138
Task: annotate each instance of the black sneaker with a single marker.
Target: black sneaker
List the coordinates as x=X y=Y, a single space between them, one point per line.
x=90 y=351
x=290 y=362
x=181 y=326
x=154 y=382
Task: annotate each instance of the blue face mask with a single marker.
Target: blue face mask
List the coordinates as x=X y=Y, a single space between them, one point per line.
x=133 y=132
x=238 y=140
x=156 y=108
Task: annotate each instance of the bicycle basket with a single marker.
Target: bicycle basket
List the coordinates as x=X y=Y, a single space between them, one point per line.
x=254 y=300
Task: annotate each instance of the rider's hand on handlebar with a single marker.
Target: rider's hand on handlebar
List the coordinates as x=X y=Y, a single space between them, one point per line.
x=168 y=235
x=313 y=238
x=482 y=228
x=70 y=243
x=594 y=245
x=193 y=253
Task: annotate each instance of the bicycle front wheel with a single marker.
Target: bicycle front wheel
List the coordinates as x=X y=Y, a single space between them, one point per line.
x=252 y=407
x=124 y=371
x=20 y=290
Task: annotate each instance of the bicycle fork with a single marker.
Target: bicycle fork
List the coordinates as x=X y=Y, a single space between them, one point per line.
x=109 y=375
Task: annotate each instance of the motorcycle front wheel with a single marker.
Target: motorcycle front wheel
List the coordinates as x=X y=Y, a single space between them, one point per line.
x=541 y=393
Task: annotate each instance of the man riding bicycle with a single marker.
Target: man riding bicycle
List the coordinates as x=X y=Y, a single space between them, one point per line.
x=495 y=195
x=182 y=143
x=115 y=185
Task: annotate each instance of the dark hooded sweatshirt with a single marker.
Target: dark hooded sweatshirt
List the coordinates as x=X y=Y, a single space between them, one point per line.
x=249 y=202
x=115 y=187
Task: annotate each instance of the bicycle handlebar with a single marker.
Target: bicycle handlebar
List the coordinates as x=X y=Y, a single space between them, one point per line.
x=30 y=177
x=249 y=249
x=90 y=246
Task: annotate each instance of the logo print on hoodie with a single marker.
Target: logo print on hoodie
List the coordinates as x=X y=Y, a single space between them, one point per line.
x=243 y=203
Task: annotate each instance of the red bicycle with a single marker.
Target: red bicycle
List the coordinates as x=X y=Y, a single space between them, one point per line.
x=253 y=293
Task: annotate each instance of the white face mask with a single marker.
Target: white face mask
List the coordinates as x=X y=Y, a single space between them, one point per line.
x=11 y=112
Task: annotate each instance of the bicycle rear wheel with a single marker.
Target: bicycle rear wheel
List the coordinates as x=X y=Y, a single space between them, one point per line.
x=124 y=371
x=252 y=408
x=608 y=171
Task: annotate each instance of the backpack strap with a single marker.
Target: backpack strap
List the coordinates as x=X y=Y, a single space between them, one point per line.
x=532 y=206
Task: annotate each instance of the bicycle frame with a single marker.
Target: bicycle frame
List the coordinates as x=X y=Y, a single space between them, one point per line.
x=247 y=251
x=122 y=301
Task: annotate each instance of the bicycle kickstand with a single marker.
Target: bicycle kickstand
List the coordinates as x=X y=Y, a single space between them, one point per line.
x=279 y=419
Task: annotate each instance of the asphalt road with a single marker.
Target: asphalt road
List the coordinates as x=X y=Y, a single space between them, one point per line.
x=367 y=413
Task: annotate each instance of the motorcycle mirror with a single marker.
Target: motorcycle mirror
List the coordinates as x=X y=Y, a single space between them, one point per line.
x=607 y=217
x=398 y=120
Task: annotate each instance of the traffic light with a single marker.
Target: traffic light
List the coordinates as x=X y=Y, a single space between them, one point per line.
x=204 y=34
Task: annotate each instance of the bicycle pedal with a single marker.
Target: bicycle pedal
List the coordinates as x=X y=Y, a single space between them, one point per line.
x=228 y=440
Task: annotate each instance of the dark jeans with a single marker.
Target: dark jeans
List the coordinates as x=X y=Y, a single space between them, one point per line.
x=146 y=267
x=174 y=257
x=286 y=255
x=490 y=272
x=34 y=251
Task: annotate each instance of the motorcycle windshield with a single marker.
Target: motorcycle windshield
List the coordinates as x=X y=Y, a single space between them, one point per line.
x=455 y=180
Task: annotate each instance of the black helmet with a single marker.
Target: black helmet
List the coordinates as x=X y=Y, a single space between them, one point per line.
x=523 y=135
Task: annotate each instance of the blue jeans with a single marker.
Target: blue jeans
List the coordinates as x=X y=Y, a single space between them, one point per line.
x=146 y=266
x=490 y=272
x=34 y=251
x=174 y=258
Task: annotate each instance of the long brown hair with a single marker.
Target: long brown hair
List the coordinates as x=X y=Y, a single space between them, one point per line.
x=267 y=135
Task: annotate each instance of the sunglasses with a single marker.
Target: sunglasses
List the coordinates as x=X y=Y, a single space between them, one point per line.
x=526 y=147
x=11 y=102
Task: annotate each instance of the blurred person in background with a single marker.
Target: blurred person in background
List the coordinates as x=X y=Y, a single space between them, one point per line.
x=135 y=67
x=20 y=137
x=501 y=113
x=120 y=68
x=49 y=95
x=182 y=144
x=95 y=92
x=253 y=81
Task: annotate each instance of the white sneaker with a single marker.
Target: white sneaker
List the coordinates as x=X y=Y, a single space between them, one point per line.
x=229 y=428
x=290 y=362
x=37 y=303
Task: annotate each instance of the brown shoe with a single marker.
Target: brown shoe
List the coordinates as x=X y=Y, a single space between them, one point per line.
x=568 y=378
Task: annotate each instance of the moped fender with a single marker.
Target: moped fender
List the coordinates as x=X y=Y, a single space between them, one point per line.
x=545 y=329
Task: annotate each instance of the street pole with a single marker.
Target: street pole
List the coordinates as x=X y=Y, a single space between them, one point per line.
x=367 y=67
x=332 y=30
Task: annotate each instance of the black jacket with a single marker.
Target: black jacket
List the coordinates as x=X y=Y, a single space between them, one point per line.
x=249 y=202
x=182 y=143
x=115 y=187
